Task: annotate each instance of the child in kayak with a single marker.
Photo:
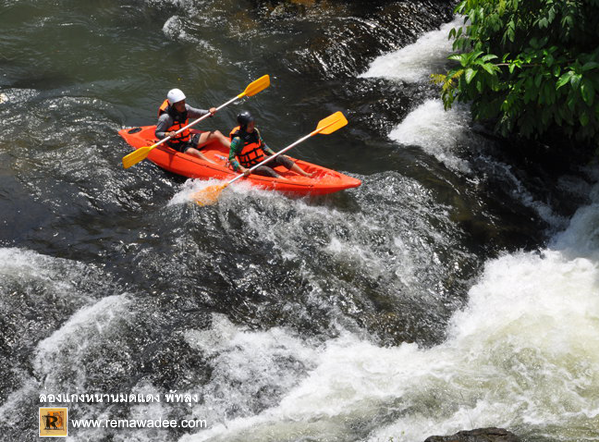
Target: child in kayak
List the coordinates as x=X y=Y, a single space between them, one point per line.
x=248 y=149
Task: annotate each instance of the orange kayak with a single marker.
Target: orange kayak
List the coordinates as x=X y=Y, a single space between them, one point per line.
x=323 y=182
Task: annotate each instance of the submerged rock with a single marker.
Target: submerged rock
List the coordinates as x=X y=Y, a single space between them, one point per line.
x=478 y=435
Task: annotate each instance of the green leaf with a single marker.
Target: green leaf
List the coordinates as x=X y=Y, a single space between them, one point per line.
x=556 y=71
x=470 y=73
x=584 y=119
x=571 y=102
x=455 y=57
x=587 y=91
x=495 y=85
x=490 y=68
x=475 y=55
x=575 y=81
x=509 y=33
x=590 y=65
x=479 y=86
x=545 y=116
x=558 y=119
x=565 y=114
x=564 y=79
x=464 y=59
x=549 y=93
x=538 y=79
x=488 y=57
x=529 y=83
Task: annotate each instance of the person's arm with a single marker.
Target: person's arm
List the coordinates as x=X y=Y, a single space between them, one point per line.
x=194 y=113
x=236 y=147
x=164 y=122
x=265 y=147
x=268 y=150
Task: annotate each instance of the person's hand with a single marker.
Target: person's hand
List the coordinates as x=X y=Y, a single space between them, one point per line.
x=171 y=133
x=244 y=171
x=212 y=111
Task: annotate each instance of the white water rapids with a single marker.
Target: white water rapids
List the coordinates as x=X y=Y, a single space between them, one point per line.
x=523 y=354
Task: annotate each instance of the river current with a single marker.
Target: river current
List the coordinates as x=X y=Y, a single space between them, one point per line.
x=448 y=292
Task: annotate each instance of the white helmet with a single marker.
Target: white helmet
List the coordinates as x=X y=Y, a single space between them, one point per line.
x=175 y=95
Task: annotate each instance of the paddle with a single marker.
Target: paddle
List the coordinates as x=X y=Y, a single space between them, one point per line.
x=326 y=126
x=140 y=154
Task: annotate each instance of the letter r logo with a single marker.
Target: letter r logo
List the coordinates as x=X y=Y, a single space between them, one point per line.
x=53 y=422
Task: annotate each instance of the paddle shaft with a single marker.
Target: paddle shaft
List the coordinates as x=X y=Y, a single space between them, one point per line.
x=270 y=158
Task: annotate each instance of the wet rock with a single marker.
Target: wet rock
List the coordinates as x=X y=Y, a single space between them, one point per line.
x=478 y=435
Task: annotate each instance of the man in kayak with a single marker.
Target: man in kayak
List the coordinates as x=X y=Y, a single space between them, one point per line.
x=173 y=115
x=248 y=149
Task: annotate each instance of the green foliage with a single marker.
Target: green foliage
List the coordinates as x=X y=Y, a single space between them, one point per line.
x=529 y=65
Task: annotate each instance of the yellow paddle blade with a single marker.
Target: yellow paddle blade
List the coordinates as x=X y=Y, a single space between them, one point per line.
x=208 y=195
x=331 y=123
x=136 y=156
x=256 y=86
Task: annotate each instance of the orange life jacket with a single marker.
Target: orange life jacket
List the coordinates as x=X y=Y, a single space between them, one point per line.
x=252 y=152
x=180 y=120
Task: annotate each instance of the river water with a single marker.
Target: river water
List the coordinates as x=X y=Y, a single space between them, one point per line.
x=450 y=291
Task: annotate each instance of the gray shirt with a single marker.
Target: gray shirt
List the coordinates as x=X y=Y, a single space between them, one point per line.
x=165 y=121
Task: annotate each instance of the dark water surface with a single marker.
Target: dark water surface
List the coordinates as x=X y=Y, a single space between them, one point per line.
x=292 y=319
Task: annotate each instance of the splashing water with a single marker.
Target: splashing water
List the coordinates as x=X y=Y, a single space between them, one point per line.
x=415 y=62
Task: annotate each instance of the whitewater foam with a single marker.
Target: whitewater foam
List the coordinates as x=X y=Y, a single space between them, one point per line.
x=523 y=354
x=415 y=62
x=438 y=132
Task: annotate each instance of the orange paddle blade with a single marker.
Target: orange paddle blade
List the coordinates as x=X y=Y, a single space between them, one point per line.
x=331 y=123
x=209 y=195
x=256 y=86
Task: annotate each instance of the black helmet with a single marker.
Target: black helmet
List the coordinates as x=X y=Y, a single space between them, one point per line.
x=244 y=119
